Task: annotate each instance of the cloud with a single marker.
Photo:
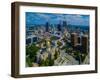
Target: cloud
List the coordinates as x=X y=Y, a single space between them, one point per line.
x=41 y=18
x=77 y=19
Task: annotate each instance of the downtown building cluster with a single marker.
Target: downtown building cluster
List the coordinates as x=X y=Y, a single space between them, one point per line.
x=41 y=36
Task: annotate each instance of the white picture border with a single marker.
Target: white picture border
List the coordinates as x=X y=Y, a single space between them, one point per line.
x=54 y=69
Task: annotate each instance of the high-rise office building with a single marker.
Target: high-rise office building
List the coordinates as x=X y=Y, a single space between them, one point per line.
x=79 y=40
x=85 y=43
x=47 y=27
x=28 y=41
x=59 y=27
x=74 y=39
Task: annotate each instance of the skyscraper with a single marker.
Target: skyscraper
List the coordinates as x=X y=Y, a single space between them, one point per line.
x=59 y=27
x=85 y=43
x=74 y=39
x=47 y=27
x=78 y=39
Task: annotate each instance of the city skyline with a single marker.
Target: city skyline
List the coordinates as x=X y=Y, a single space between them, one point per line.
x=41 y=18
x=56 y=39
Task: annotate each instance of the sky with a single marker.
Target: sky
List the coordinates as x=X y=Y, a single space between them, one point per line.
x=71 y=19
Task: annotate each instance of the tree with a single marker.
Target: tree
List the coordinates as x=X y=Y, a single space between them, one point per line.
x=56 y=54
x=83 y=56
x=53 y=38
x=51 y=62
x=42 y=63
x=28 y=62
x=78 y=56
x=31 y=51
x=47 y=62
x=59 y=43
